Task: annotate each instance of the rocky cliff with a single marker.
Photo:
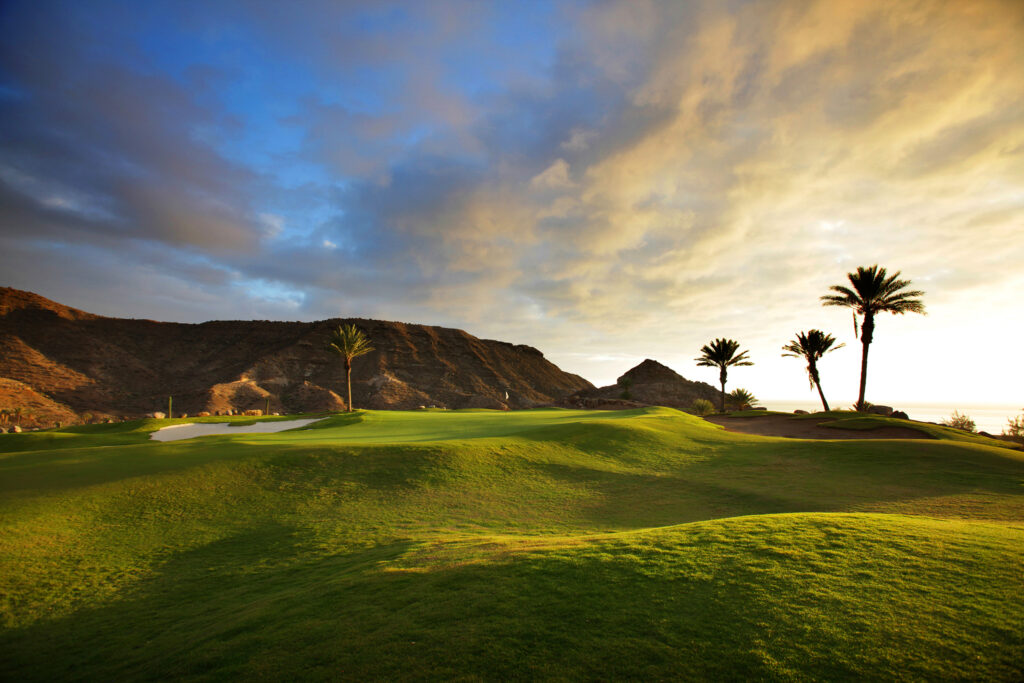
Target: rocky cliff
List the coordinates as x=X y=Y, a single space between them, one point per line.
x=649 y=383
x=57 y=361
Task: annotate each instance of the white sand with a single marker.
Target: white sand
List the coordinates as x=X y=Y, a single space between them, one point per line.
x=191 y=430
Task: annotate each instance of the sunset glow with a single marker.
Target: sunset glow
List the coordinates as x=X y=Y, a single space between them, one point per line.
x=606 y=181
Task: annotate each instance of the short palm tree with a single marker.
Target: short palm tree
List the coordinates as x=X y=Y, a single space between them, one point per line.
x=812 y=345
x=742 y=398
x=874 y=291
x=722 y=353
x=350 y=342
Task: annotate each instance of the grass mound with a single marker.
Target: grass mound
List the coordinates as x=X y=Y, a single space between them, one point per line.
x=638 y=544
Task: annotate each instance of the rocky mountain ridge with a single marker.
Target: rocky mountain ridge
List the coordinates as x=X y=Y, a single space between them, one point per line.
x=58 y=362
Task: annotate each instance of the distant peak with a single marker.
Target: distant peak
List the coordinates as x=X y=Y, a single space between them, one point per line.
x=650 y=371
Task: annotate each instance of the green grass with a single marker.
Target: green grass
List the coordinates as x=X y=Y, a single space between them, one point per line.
x=481 y=544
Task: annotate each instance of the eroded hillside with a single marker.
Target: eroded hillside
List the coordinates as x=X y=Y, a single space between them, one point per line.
x=68 y=360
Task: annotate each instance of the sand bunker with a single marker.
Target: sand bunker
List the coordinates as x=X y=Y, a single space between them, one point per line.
x=808 y=428
x=192 y=430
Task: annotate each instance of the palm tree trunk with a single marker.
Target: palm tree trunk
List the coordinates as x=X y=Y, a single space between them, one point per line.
x=817 y=383
x=721 y=377
x=348 y=375
x=866 y=336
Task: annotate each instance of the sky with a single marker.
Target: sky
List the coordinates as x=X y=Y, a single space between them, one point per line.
x=606 y=181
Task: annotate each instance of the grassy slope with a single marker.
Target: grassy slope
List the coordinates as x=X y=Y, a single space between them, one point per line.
x=551 y=543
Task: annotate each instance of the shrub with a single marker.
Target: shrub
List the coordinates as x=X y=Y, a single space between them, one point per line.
x=958 y=421
x=1015 y=427
x=703 y=407
x=742 y=399
x=625 y=383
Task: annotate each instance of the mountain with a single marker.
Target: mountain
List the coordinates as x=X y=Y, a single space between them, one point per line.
x=59 y=362
x=649 y=383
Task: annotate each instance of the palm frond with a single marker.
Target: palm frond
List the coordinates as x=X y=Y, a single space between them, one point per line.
x=722 y=353
x=874 y=290
x=742 y=398
x=811 y=346
x=350 y=342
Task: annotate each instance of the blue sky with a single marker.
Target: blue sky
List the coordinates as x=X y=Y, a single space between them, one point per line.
x=607 y=181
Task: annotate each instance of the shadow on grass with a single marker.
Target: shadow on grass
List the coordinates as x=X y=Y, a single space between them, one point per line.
x=64 y=469
x=795 y=476
x=713 y=602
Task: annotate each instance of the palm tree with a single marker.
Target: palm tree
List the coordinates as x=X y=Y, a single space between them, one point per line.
x=721 y=353
x=812 y=345
x=742 y=398
x=874 y=291
x=350 y=342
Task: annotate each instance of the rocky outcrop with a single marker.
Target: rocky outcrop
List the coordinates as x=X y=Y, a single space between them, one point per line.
x=649 y=383
x=310 y=398
x=36 y=409
x=76 y=361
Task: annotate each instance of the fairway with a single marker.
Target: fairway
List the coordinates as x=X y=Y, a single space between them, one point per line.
x=560 y=544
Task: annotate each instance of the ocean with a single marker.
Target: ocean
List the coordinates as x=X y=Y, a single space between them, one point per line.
x=987 y=418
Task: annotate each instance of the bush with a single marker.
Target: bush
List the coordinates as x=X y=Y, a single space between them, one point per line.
x=703 y=407
x=625 y=383
x=958 y=421
x=1015 y=427
x=742 y=399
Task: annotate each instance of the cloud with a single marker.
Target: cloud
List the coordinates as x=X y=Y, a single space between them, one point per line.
x=605 y=181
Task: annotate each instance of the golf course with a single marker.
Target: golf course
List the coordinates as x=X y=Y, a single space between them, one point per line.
x=538 y=544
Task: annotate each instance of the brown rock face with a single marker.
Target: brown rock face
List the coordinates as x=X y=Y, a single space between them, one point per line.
x=649 y=383
x=74 y=362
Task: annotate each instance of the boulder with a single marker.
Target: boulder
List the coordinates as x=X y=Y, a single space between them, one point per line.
x=880 y=410
x=203 y=413
x=254 y=413
x=900 y=414
x=15 y=429
x=157 y=415
x=800 y=412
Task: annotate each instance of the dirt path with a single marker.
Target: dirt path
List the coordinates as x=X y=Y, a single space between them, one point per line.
x=803 y=427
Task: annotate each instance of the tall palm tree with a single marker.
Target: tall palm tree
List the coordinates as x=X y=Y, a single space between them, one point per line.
x=812 y=345
x=721 y=353
x=874 y=291
x=350 y=342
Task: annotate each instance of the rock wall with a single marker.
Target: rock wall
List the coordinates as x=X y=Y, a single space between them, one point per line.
x=117 y=367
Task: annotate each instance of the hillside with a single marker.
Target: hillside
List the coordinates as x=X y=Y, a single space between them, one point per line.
x=485 y=545
x=649 y=383
x=57 y=360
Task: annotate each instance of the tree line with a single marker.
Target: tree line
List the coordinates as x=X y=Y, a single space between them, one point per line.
x=871 y=291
